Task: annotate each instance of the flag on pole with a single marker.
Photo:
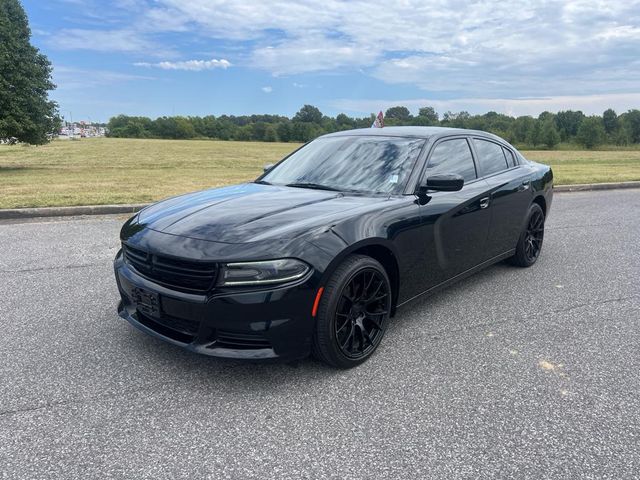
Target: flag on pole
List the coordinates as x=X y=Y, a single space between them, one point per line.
x=379 y=121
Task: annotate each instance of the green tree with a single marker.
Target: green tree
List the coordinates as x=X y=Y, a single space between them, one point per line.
x=610 y=120
x=426 y=116
x=400 y=114
x=456 y=120
x=270 y=133
x=308 y=114
x=304 y=131
x=535 y=134
x=520 y=128
x=544 y=116
x=568 y=123
x=549 y=133
x=591 y=132
x=430 y=114
x=25 y=80
x=631 y=122
x=284 y=131
x=344 y=121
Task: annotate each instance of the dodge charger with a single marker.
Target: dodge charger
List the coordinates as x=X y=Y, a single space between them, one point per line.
x=317 y=254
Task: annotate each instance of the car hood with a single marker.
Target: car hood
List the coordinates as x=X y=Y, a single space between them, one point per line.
x=251 y=212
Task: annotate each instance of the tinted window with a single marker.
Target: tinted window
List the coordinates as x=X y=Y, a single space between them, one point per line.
x=490 y=156
x=364 y=164
x=452 y=156
x=511 y=159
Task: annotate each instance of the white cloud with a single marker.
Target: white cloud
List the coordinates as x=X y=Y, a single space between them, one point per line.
x=69 y=78
x=267 y=89
x=311 y=54
x=189 y=65
x=589 y=104
x=119 y=40
x=459 y=48
x=522 y=47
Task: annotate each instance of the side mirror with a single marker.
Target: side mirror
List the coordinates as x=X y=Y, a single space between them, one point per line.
x=267 y=167
x=444 y=182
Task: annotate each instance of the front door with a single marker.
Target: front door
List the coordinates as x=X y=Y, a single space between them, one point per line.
x=457 y=222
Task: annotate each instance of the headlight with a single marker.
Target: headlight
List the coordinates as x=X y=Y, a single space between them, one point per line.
x=263 y=273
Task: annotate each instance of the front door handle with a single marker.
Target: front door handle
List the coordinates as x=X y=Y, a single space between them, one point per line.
x=484 y=202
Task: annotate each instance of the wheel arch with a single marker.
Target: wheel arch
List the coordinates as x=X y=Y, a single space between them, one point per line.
x=540 y=200
x=380 y=250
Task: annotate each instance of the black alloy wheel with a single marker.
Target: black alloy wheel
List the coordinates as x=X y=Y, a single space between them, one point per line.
x=353 y=312
x=530 y=243
x=361 y=312
x=534 y=236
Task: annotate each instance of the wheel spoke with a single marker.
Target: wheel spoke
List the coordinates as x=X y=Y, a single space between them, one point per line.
x=375 y=323
x=349 y=339
x=345 y=324
x=348 y=297
x=369 y=283
x=366 y=336
x=368 y=299
x=377 y=299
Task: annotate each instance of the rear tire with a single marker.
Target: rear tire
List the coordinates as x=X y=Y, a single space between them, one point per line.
x=529 y=244
x=353 y=312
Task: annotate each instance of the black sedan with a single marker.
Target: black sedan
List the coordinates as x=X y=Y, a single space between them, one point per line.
x=318 y=253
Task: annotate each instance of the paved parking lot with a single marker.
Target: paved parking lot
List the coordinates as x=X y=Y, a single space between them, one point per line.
x=511 y=373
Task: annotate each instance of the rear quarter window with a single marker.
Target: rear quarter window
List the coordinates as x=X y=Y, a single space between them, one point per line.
x=511 y=159
x=490 y=156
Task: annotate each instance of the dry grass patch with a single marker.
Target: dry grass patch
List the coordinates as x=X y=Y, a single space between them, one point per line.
x=580 y=166
x=111 y=170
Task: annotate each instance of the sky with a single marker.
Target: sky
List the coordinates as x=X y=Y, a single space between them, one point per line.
x=203 y=57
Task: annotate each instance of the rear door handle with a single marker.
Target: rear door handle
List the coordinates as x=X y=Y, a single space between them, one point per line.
x=524 y=186
x=484 y=202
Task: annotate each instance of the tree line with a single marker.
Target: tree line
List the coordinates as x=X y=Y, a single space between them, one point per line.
x=547 y=130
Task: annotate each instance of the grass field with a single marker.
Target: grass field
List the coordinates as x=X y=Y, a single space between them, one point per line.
x=105 y=170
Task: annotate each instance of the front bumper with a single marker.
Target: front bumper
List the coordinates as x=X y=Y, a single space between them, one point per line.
x=257 y=324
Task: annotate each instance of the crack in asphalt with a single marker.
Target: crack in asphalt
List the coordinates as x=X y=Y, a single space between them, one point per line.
x=537 y=315
x=61 y=267
x=566 y=227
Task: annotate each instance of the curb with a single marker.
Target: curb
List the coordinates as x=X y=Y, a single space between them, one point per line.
x=585 y=187
x=13 y=213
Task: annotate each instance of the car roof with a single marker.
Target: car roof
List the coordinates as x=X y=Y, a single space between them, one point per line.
x=413 y=132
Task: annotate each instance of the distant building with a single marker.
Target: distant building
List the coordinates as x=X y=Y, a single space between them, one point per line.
x=81 y=130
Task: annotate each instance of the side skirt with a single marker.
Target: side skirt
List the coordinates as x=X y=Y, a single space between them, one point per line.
x=460 y=276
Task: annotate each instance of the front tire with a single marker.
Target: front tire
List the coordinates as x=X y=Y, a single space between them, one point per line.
x=529 y=244
x=353 y=312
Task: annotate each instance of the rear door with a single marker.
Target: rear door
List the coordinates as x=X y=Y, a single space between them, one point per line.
x=458 y=222
x=510 y=193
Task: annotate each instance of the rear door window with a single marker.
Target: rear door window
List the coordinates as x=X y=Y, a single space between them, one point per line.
x=490 y=156
x=452 y=156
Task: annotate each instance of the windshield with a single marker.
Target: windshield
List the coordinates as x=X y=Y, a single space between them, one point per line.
x=349 y=163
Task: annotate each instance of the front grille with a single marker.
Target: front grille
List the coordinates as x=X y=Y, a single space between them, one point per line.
x=240 y=341
x=185 y=275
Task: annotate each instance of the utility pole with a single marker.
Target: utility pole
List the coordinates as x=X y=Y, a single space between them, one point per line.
x=72 y=128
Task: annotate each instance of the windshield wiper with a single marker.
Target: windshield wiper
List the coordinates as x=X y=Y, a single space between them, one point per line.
x=315 y=186
x=263 y=182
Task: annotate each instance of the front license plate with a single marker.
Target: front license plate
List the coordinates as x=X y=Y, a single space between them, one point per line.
x=147 y=302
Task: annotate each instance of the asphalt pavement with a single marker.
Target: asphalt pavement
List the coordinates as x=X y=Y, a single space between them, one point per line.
x=518 y=373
